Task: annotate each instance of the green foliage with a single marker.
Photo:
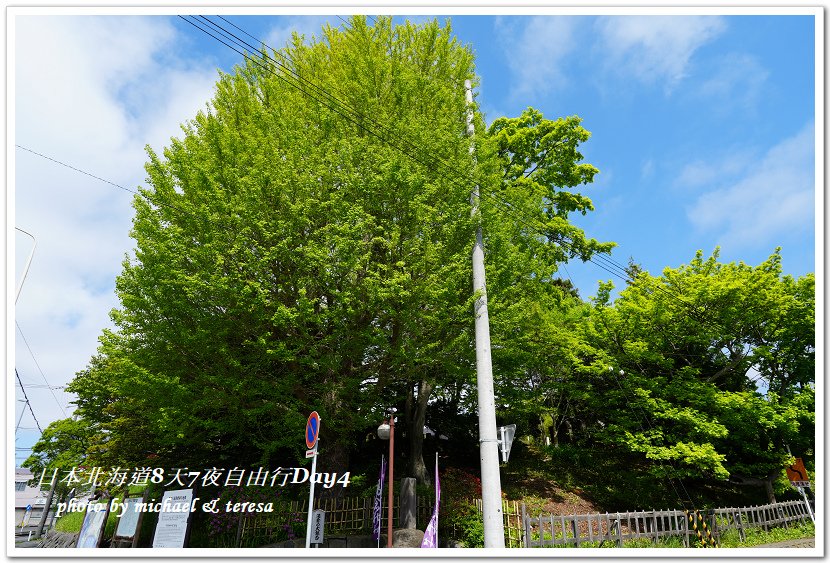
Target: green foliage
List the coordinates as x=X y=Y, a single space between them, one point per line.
x=688 y=344
x=62 y=446
x=469 y=529
x=666 y=371
x=286 y=260
x=289 y=258
x=459 y=518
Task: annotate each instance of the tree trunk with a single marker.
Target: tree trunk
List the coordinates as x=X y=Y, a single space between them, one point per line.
x=767 y=483
x=768 y=486
x=416 y=417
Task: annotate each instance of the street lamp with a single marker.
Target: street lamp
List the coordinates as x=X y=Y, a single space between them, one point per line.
x=386 y=431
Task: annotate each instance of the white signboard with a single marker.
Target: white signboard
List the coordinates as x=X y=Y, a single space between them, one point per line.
x=93 y=525
x=128 y=520
x=318 y=521
x=172 y=525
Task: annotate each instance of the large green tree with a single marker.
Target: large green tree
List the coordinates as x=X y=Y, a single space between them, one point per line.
x=305 y=245
x=710 y=369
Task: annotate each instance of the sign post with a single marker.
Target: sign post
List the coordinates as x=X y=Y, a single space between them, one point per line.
x=800 y=479
x=318 y=523
x=312 y=433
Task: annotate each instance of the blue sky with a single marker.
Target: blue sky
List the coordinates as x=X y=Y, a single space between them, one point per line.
x=703 y=129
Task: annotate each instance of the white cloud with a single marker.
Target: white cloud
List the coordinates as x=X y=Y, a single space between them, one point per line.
x=537 y=52
x=737 y=82
x=706 y=174
x=649 y=49
x=91 y=92
x=774 y=198
x=655 y=49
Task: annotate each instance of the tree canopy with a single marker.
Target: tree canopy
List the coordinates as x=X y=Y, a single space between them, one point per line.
x=297 y=253
x=703 y=372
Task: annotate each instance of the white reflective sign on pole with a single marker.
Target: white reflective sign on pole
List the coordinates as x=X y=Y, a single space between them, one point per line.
x=507 y=434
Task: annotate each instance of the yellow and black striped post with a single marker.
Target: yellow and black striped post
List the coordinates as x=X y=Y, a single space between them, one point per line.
x=704 y=534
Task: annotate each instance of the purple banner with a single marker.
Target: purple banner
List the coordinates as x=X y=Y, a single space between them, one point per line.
x=377 y=509
x=431 y=533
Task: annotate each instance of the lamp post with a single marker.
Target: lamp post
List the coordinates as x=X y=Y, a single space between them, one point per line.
x=386 y=431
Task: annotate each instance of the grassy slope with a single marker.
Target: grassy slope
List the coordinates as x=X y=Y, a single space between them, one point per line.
x=566 y=480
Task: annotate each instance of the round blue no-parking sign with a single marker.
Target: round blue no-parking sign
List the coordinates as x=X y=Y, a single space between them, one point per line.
x=312 y=430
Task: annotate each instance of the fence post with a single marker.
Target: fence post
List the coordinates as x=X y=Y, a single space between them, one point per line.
x=740 y=525
x=713 y=528
x=525 y=526
x=575 y=522
x=239 y=531
x=685 y=528
x=782 y=515
x=654 y=524
x=619 y=531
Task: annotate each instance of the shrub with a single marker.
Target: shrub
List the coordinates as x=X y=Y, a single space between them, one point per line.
x=460 y=519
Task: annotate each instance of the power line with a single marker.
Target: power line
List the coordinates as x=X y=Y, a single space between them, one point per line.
x=388 y=136
x=659 y=462
x=605 y=263
x=39 y=368
x=28 y=403
x=77 y=169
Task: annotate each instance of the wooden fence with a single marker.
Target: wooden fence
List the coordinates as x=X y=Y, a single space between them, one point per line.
x=695 y=528
x=766 y=516
x=353 y=516
x=344 y=516
x=513 y=522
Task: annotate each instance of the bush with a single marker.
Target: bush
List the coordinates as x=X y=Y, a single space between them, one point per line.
x=460 y=519
x=470 y=529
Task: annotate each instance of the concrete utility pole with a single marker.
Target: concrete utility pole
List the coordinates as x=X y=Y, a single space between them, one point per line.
x=47 y=506
x=487 y=433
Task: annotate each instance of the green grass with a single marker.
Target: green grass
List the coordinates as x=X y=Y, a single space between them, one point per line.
x=729 y=539
x=70 y=522
x=757 y=536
